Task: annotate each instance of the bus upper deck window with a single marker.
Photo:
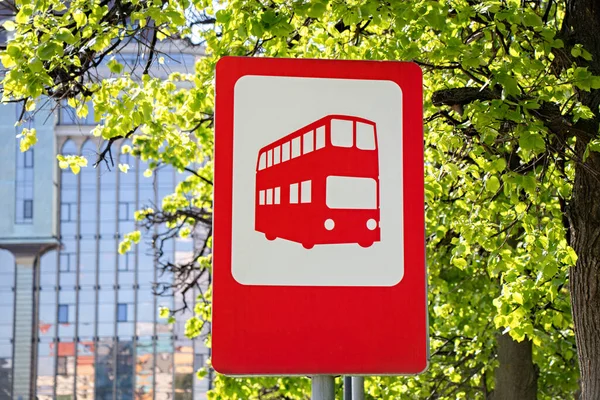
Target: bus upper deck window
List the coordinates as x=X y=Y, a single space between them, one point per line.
x=320 y=138
x=341 y=133
x=262 y=162
x=365 y=136
x=307 y=142
x=295 y=147
x=269 y=158
x=285 y=151
x=276 y=151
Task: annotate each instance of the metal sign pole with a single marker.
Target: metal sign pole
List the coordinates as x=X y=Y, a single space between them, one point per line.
x=358 y=388
x=323 y=387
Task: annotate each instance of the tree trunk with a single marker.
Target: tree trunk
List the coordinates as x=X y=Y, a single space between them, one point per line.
x=584 y=213
x=516 y=376
x=582 y=25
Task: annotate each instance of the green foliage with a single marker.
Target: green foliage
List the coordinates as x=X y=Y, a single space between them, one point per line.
x=496 y=173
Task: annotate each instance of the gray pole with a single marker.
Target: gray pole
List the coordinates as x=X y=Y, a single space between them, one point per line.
x=358 y=388
x=323 y=387
x=347 y=388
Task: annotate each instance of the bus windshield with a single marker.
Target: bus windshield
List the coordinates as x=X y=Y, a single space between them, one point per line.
x=350 y=192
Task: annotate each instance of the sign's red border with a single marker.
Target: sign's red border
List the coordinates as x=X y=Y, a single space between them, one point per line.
x=282 y=330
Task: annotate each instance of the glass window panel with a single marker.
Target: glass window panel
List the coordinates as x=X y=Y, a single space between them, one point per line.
x=5 y=348
x=86 y=329
x=65 y=212
x=144 y=367
x=45 y=370
x=106 y=280
x=164 y=365
x=65 y=379
x=146 y=312
x=28 y=209
x=63 y=314
x=144 y=328
x=262 y=162
x=106 y=329
x=67 y=280
x=125 y=330
x=122 y=312
x=66 y=331
x=285 y=151
x=126 y=279
x=261 y=197
x=6 y=331
x=341 y=133
x=276 y=155
x=106 y=312
x=87 y=313
x=87 y=280
x=105 y=368
x=47 y=281
x=125 y=367
x=85 y=369
x=145 y=295
x=307 y=142
x=108 y=258
x=87 y=297
x=47 y=297
x=269 y=158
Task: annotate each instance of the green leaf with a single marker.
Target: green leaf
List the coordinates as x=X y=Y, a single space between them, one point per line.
x=460 y=263
x=36 y=65
x=66 y=36
x=80 y=18
x=48 y=50
x=114 y=66
x=532 y=141
x=492 y=184
x=9 y=26
x=532 y=19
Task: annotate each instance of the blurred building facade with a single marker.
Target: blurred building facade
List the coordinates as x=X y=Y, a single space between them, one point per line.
x=77 y=319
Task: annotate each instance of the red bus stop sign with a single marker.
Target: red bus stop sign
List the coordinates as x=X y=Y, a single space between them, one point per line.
x=319 y=251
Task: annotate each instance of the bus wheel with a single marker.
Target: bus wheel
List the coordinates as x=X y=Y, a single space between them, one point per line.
x=270 y=237
x=308 y=246
x=366 y=244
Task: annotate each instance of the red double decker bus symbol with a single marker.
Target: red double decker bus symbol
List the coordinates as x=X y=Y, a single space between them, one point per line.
x=320 y=184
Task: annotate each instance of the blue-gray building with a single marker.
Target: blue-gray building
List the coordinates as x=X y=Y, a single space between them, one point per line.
x=78 y=320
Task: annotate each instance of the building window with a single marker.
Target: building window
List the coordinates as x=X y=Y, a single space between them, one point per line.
x=68 y=115
x=24 y=183
x=28 y=159
x=65 y=262
x=124 y=214
x=63 y=314
x=122 y=312
x=65 y=212
x=126 y=262
x=28 y=209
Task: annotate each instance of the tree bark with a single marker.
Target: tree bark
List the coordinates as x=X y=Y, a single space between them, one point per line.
x=584 y=215
x=582 y=25
x=516 y=376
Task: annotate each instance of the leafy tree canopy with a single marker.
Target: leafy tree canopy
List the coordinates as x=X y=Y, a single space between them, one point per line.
x=507 y=126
